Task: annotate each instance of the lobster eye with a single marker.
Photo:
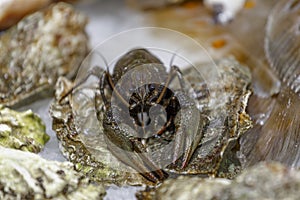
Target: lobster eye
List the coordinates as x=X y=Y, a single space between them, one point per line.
x=152 y=87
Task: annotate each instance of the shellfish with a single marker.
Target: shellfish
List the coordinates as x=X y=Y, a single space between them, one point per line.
x=41 y=47
x=22 y=130
x=25 y=175
x=78 y=121
x=89 y=154
x=262 y=181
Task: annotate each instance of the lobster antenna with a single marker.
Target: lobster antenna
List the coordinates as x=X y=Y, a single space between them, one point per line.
x=173 y=57
x=104 y=60
x=92 y=72
x=110 y=81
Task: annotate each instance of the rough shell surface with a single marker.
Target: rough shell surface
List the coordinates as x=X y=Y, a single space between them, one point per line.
x=22 y=130
x=218 y=151
x=83 y=143
x=39 y=49
x=89 y=154
x=25 y=175
x=263 y=181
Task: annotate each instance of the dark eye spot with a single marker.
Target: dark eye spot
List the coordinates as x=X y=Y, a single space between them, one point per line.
x=151 y=87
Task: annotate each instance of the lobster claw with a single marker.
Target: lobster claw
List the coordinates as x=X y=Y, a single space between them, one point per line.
x=190 y=123
x=129 y=151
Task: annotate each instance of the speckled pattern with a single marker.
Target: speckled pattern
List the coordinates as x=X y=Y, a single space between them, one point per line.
x=22 y=130
x=37 y=50
x=263 y=181
x=25 y=175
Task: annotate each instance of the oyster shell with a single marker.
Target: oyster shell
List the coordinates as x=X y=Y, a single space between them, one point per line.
x=83 y=143
x=37 y=50
x=24 y=175
x=218 y=151
x=22 y=130
x=263 y=181
x=89 y=154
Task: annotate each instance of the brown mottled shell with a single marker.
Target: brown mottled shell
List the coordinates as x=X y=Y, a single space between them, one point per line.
x=39 y=49
x=282 y=42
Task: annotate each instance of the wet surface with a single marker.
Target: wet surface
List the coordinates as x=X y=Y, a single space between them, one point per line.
x=276 y=121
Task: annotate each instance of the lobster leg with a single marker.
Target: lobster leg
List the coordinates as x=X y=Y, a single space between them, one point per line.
x=95 y=71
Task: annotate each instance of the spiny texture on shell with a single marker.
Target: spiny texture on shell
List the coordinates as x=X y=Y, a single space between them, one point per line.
x=37 y=50
x=24 y=175
x=88 y=153
x=218 y=151
x=22 y=130
x=283 y=41
x=263 y=181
